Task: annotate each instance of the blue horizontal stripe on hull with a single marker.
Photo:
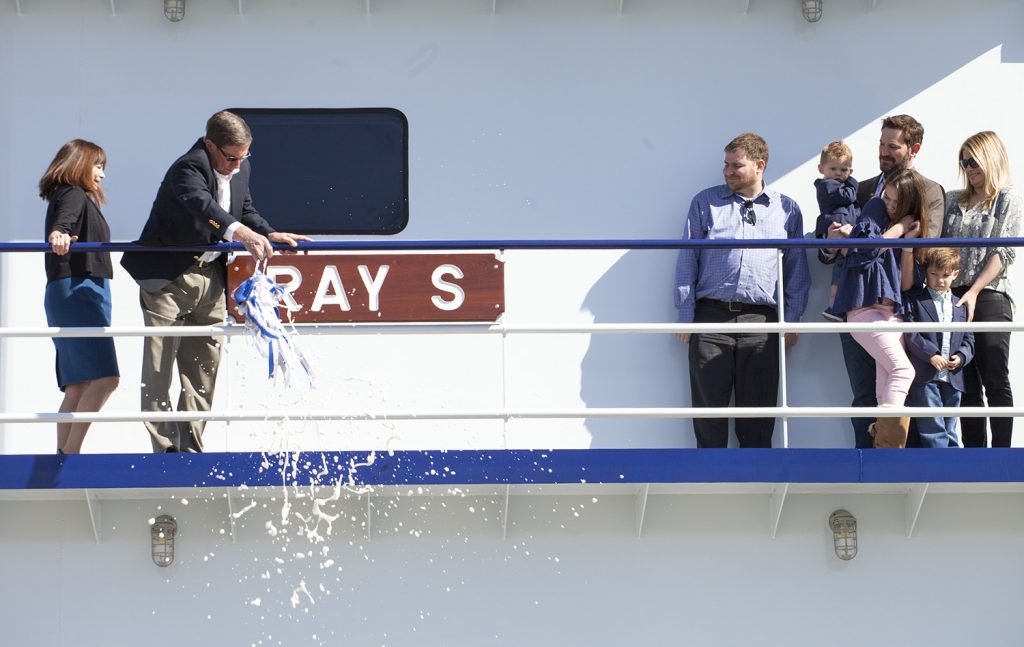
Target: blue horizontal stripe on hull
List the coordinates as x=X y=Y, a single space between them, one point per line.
x=500 y=467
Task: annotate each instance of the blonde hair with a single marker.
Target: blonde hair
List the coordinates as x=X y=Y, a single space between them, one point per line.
x=838 y=151
x=988 y=151
x=73 y=166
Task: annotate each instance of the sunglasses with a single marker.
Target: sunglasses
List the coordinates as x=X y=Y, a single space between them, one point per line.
x=969 y=162
x=233 y=158
x=747 y=211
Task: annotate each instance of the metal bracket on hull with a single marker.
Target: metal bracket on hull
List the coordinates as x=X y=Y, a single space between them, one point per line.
x=231 y=514
x=640 y=507
x=504 y=513
x=775 y=504
x=872 y=4
x=746 y=7
x=369 y=517
x=113 y=9
x=913 y=502
x=92 y=500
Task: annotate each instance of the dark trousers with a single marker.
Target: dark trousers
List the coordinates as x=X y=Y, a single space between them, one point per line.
x=742 y=365
x=860 y=369
x=987 y=377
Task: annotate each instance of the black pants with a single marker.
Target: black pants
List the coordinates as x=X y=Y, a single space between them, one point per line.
x=860 y=368
x=744 y=365
x=987 y=377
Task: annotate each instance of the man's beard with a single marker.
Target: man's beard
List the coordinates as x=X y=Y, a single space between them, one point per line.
x=735 y=183
x=893 y=165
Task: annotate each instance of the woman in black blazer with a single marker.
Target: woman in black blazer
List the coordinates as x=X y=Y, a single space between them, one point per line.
x=78 y=285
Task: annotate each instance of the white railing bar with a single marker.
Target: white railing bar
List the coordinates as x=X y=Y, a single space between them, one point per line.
x=497 y=329
x=502 y=321
x=648 y=413
x=780 y=297
x=817 y=327
x=232 y=331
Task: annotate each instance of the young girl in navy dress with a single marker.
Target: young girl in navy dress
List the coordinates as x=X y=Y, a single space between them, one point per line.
x=78 y=288
x=870 y=291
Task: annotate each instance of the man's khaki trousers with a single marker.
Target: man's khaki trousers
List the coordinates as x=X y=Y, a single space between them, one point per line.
x=196 y=298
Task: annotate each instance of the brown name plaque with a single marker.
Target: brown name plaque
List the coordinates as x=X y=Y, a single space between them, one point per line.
x=382 y=288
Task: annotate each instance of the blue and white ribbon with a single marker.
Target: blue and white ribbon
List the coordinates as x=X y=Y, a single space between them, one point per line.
x=258 y=299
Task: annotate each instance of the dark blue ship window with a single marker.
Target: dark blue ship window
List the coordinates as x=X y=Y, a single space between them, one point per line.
x=330 y=171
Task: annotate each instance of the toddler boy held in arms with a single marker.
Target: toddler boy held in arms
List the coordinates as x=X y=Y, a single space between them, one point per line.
x=837 y=206
x=938 y=357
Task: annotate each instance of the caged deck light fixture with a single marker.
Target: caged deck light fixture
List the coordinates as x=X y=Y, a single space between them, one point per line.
x=844 y=534
x=811 y=10
x=161 y=532
x=174 y=10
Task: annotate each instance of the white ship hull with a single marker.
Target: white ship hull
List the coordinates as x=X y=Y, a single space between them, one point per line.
x=560 y=120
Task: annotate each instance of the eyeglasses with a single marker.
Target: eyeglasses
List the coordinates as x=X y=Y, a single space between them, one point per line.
x=233 y=158
x=969 y=162
x=747 y=211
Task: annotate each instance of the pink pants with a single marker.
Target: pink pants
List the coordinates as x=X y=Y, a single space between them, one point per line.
x=893 y=371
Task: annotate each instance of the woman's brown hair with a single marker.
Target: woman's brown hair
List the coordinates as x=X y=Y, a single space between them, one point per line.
x=73 y=165
x=910 y=200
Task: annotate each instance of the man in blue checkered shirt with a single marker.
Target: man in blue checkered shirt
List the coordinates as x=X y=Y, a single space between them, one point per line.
x=737 y=285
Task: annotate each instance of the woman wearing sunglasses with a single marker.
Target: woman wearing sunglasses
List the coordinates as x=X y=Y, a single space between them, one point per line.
x=987 y=207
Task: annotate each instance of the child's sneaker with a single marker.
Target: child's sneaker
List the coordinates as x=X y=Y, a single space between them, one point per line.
x=828 y=315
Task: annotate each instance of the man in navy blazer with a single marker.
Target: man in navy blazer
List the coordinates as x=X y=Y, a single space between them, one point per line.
x=938 y=358
x=204 y=199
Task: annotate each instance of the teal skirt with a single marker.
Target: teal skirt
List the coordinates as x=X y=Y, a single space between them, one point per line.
x=79 y=301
